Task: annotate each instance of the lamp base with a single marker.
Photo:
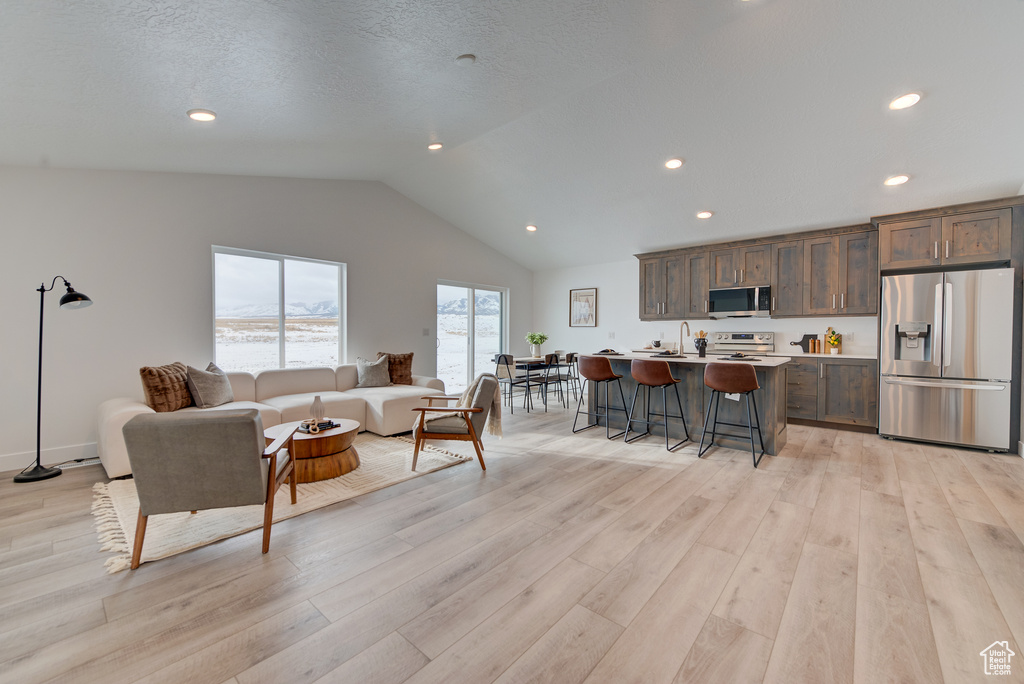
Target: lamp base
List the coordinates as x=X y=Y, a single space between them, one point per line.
x=37 y=473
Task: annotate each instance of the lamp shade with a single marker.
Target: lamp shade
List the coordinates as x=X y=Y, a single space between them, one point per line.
x=74 y=300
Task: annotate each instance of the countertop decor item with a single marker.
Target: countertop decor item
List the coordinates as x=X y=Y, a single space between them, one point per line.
x=805 y=342
x=834 y=341
x=700 y=342
x=536 y=339
x=71 y=300
x=583 y=308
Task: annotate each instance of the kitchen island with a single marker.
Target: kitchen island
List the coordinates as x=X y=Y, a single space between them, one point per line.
x=689 y=369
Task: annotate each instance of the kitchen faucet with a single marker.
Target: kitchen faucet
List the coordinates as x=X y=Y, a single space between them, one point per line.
x=681 y=324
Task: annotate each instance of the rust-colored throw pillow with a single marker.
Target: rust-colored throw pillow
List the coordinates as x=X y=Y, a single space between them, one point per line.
x=166 y=387
x=399 y=367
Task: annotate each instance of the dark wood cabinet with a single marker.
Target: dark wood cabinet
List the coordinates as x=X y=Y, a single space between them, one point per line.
x=976 y=237
x=788 y=278
x=818 y=273
x=909 y=244
x=833 y=390
x=820 y=261
x=741 y=266
x=698 y=275
x=841 y=275
x=969 y=238
x=663 y=288
x=858 y=273
x=848 y=391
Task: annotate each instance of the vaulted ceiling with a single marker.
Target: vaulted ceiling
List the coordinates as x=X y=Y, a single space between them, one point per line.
x=565 y=119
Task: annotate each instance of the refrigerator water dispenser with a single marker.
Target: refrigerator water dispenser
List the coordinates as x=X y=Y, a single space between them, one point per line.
x=913 y=341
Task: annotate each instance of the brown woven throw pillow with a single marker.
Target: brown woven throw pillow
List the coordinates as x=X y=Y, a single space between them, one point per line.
x=166 y=387
x=399 y=367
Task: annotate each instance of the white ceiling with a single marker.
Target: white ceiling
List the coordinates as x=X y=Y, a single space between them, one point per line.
x=778 y=106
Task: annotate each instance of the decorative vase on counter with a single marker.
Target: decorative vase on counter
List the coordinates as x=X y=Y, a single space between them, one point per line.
x=535 y=350
x=701 y=344
x=833 y=350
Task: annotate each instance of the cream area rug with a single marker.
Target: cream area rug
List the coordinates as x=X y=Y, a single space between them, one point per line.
x=383 y=461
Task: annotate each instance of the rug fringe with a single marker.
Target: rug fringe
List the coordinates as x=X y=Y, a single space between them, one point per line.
x=109 y=530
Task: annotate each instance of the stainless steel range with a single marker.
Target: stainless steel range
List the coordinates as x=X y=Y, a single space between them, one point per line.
x=731 y=342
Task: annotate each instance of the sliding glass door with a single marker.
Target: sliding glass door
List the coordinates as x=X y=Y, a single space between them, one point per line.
x=470 y=327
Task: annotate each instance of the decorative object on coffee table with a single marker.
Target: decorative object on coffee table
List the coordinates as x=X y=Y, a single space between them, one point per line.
x=321 y=455
x=583 y=308
x=71 y=300
x=316 y=411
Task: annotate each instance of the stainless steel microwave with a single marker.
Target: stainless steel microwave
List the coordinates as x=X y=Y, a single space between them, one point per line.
x=740 y=302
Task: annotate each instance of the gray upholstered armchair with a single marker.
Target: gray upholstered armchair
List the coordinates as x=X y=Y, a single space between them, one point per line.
x=195 y=460
x=463 y=423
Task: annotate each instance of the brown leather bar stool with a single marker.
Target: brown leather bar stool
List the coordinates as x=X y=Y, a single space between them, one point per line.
x=654 y=373
x=731 y=378
x=599 y=369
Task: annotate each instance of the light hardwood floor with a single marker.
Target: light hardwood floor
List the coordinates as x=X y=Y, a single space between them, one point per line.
x=847 y=558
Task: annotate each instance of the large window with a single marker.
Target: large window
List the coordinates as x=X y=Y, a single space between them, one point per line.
x=470 y=324
x=275 y=311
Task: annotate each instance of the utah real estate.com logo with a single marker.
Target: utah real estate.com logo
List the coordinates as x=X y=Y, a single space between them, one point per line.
x=997 y=658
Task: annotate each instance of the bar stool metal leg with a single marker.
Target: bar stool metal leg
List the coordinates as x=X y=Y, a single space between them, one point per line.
x=597 y=409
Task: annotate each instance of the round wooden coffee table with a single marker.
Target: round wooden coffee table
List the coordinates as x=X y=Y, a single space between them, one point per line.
x=327 y=454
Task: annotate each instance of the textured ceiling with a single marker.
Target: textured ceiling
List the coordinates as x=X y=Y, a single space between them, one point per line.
x=565 y=120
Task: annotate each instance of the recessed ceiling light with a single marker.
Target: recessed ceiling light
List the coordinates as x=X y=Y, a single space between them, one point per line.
x=897 y=180
x=531 y=228
x=434 y=147
x=674 y=163
x=705 y=214
x=904 y=101
x=201 y=115
x=465 y=60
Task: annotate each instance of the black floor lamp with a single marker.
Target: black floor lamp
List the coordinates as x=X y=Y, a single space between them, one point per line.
x=71 y=300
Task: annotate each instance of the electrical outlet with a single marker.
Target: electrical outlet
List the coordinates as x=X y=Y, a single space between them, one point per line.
x=611 y=336
x=847 y=336
x=661 y=335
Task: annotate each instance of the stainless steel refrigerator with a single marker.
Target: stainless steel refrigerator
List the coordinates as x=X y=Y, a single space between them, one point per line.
x=946 y=357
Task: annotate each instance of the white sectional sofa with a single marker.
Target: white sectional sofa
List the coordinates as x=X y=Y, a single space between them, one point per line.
x=283 y=396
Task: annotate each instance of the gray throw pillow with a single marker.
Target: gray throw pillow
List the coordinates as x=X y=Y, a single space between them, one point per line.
x=209 y=387
x=373 y=373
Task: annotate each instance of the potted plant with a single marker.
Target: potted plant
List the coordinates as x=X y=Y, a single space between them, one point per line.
x=833 y=339
x=536 y=339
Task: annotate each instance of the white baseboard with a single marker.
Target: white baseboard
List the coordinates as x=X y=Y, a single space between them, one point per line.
x=49 y=457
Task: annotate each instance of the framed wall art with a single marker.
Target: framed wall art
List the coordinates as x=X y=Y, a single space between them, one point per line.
x=583 y=308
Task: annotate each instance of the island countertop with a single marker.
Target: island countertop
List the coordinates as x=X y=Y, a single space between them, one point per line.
x=769 y=400
x=691 y=358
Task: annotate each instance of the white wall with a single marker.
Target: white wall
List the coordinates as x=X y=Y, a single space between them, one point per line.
x=618 y=297
x=139 y=245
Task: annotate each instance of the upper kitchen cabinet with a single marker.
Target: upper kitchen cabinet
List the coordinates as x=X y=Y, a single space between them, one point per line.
x=820 y=276
x=697 y=278
x=858 y=273
x=910 y=244
x=663 y=287
x=841 y=275
x=788 y=278
x=748 y=266
x=976 y=237
x=979 y=233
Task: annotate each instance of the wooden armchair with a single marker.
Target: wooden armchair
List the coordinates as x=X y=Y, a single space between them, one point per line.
x=464 y=423
x=196 y=460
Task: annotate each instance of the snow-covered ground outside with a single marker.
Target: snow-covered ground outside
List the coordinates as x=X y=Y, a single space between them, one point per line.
x=251 y=344
x=452 y=351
